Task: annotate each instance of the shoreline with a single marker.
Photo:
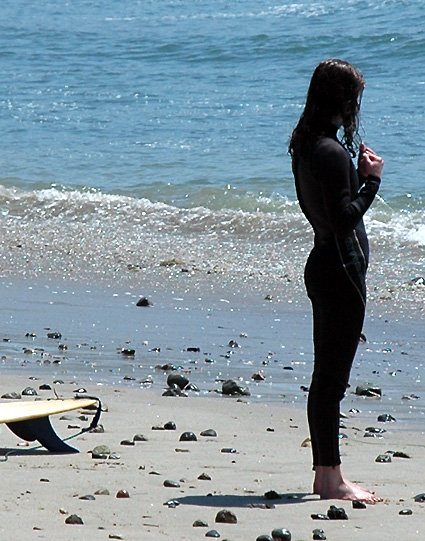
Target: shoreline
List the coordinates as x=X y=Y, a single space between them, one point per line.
x=266 y=429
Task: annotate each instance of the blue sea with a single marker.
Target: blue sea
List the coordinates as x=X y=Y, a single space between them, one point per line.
x=137 y=135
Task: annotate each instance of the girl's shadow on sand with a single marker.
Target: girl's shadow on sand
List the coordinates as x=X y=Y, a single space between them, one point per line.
x=227 y=500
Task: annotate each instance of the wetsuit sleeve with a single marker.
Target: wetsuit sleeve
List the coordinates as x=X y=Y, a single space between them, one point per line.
x=343 y=209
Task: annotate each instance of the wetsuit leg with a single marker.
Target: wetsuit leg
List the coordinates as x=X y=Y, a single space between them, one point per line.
x=338 y=315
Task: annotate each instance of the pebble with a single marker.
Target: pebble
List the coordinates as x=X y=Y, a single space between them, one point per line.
x=374 y=430
x=177 y=380
x=337 y=513
x=358 y=504
x=102 y=492
x=140 y=437
x=383 y=458
x=281 y=534
x=87 y=497
x=172 y=504
x=200 y=524
x=319 y=534
x=170 y=425
x=368 y=389
x=319 y=516
x=144 y=302
x=29 y=391
x=400 y=454
x=228 y=450
x=100 y=451
x=258 y=376
x=14 y=396
x=264 y=538
x=54 y=335
x=204 y=477
x=232 y=388
x=122 y=494
x=171 y=484
x=386 y=418
x=74 y=519
x=128 y=442
x=128 y=352
x=272 y=495
x=406 y=512
x=188 y=436
x=226 y=516
x=420 y=497
x=212 y=533
x=209 y=433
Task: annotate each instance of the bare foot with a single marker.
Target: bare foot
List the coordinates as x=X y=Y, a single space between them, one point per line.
x=329 y=484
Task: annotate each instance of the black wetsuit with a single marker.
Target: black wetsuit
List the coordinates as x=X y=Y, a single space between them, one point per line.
x=328 y=189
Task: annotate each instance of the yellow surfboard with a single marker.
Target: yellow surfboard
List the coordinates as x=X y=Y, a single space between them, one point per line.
x=10 y=412
x=30 y=420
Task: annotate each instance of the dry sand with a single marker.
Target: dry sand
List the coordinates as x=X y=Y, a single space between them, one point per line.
x=40 y=490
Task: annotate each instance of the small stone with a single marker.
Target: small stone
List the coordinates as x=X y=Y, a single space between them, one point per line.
x=29 y=391
x=228 y=450
x=188 y=436
x=212 y=533
x=115 y=536
x=420 y=498
x=140 y=437
x=128 y=352
x=200 y=524
x=144 y=302
x=319 y=534
x=102 y=492
x=319 y=516
x=74 y=519
x=54 y=335
x=358 y=504
x=272 y=495
x=87 y=497
x=122 y=494
x=383 y=458
x=204 y=477
x=232 y=388
x=193 y=350
x=209 y=433
x=264 y=538
x=281 y=534
x=45 y=387
x=405 y=512
x=114 y=457
x=13 y=396
x=386 y=418
x=400 y=454
x=374 y=430
x=177 y=380
x=172 y=504
x=368 y=389
x=170 y=425
x=258 y=376
x=127 y=442
x=337 y=513
x=101 y=450
x=171 y=484
x=226 y=516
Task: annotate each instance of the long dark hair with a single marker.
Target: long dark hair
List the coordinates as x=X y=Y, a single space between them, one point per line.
x=335 y=90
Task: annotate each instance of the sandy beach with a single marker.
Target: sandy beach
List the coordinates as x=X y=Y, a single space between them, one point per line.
x=259 y=443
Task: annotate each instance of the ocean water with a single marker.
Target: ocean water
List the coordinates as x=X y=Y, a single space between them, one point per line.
x=151 y=136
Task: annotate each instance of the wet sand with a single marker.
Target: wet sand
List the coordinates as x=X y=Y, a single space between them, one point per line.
x=266 y=429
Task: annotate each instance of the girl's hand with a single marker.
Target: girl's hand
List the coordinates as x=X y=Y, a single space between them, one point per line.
x=369 y=163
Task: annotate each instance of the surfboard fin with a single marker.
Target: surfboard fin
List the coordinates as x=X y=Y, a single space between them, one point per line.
x=40 y=429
